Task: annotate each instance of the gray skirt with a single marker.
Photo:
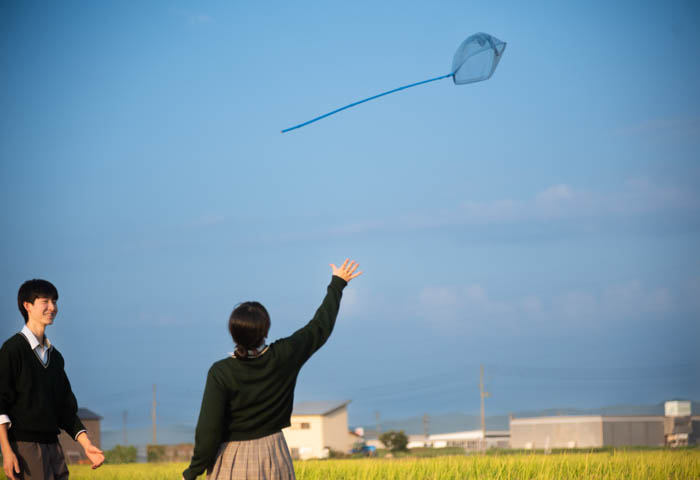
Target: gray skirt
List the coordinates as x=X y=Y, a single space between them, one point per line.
x=265 y=458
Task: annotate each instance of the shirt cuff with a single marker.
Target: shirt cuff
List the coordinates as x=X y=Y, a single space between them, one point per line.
x=76 y=435
x=5 y=419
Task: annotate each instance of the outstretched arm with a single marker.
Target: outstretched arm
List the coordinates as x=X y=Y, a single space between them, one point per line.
x=305 y=341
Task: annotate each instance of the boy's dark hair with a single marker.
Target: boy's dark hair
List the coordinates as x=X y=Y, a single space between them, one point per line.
x=33 y=289
x=248 y=324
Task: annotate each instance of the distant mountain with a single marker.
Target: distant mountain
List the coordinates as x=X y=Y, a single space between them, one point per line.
x=455 y=422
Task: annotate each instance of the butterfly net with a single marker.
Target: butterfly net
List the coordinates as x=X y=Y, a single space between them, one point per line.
x=476 y=58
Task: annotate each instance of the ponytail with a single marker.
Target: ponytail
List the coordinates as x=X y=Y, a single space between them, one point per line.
x=241 y=351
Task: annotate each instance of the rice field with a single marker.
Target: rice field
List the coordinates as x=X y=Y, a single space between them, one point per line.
x=616 y=465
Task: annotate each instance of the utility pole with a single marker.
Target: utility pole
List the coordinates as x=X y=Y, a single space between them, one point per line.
x=124 y=426
x=483 y=393
x=379 y=425
x=153 y=415
x=426 y=427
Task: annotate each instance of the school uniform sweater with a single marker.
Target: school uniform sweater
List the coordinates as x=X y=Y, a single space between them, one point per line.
x=251 y=398
x=37 y=397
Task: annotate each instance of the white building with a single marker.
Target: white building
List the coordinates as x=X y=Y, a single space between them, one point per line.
x=470 y=439
x=317 y=428
x=417 y=441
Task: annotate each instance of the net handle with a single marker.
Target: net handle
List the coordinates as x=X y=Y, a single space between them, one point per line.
x=366 y=100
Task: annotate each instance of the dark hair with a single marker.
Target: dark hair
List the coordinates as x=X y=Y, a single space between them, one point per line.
x=248 y=324
x=33 y=289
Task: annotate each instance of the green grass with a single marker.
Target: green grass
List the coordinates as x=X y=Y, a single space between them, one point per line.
x=612 y=464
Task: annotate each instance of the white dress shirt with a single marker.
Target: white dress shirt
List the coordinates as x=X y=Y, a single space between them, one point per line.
x=41 y=350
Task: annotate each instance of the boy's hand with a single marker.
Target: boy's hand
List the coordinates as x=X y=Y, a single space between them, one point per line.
x=10 y=464
x=347 y=270
x=95 y=455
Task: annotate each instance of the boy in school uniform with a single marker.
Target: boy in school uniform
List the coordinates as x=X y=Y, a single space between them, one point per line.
x=36 y=399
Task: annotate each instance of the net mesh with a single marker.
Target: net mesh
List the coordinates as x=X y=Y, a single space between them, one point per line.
x=476 y=58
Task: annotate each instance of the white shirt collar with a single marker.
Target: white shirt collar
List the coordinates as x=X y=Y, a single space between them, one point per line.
x=33 y=341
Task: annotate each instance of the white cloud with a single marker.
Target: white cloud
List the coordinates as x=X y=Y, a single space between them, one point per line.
x=448 y=305
x=560 y=202
x=635 y=197
x=531 y=304
x=555 y=193
x=553 y=206
x=664 y=128
x=440 y=297
x=632 y=299
x=639 y=195
x=503 y=210
x=575 y=307
x=557 y=201
x=472 y=305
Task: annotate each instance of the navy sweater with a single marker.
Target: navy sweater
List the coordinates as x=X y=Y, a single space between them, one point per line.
x=37 y=398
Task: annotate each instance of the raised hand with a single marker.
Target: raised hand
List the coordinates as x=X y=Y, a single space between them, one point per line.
x=347 y=270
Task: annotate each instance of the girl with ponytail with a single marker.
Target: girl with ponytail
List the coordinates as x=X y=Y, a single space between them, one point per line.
x=248 y=396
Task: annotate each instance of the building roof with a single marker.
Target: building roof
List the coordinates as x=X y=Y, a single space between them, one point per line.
x=586 y=419
x=87 y=414
x=318 y=408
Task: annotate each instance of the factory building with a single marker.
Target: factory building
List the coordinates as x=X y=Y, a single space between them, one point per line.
x=677 y=427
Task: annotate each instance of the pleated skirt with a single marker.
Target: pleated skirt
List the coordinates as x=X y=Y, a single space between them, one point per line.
x=265 y=458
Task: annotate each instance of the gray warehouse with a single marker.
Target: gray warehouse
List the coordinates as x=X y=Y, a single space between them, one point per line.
x=676 y=428
x=592 y=431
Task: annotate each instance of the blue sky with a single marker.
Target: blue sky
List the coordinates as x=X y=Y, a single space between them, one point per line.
x=544 y=223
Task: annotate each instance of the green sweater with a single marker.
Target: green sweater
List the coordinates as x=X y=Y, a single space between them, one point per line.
x=245 y=399
x=37 y=398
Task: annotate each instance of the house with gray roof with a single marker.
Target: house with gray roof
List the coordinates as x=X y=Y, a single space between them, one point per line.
x=317 y=428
